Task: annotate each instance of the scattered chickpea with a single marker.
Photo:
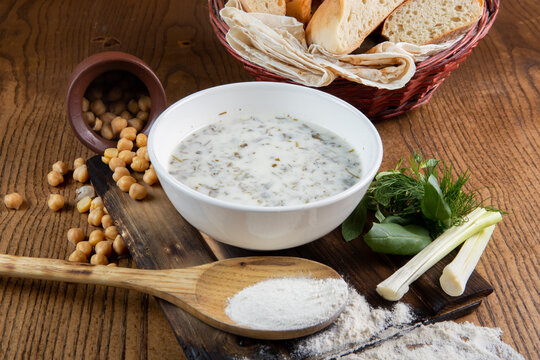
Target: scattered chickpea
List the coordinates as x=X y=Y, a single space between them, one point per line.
x=118 y=124
x=89 y=117
x=119 y=172
x=94 y=218
x=111 y=232
x=54 y=178
x=80 y=174
x=97 y=125
x=104 y=247
x=95 y=237
x=142 y=115
x=97 y=202
x=127 y=156
x=137 y=191
x=143 y=153
x=150 y=176
x=85 y=247
x=83 y=205
x=139 y=164
x=133 y=106
x=99 y=259
x=107 y=132
x=60 y=167
x=85 y=104
x=119 y=245
x=78 y=162
x=110 y=153
x=129 y=133
x=138 y=124
x=125 y=182
x=75 y=235
x=124 y=144
x=78 y=256
x=107 y=221
x=116 y=162
x=13 y=201
x=144 y=103
x=56 y=202
x=98 y=107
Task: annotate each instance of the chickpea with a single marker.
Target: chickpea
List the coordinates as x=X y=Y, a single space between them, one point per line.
x=137 y=191
x=78 y=162
x=98 y=107
x=118 y=124
x=143 y=153
x=126 y=115
x=142 y=140
x=94 y=218
x=104 y=247
x=114 y=94
x=83 y=205
x=13 y=201
x=97 y=203
x=78 y=256
x=80 y=174
x=125 y=182
x=144 y=103
x=117 y=107
x=107 y=132
x=107 y=221
x=110 y=153
x=98 y=125
x=119 y=246
x=129 y=133
x=139 y=164
x=138 y=124
x=105 y=160
x=150 y=177
x=95 y=237
x=85 y=104
x=124 y=144
x=89 y=117
x=116 y=162
x=105 y=211
x=133 y=106
x=99 y=259
x=119 y=172
x=75 y=235
x=111 y=232
x=142 y=115
x=127 y=156
x=60 y=167
x=85 y=247
x=112 y=264
x=54 y=178
x=108 y=117
x=56 y=202
x=95 y=93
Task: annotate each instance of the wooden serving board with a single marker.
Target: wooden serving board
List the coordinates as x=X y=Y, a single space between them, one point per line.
x=159 y=238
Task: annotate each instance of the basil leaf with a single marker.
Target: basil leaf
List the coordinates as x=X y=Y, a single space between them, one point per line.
x=396 y=239
x=352 y=226
x=433 y=205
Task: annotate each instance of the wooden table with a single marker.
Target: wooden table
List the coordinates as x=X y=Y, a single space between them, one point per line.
x=483 y=117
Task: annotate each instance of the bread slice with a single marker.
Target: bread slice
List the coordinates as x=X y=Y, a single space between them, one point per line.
x=300 y=9
x=276 y=7
x=340 y=26
x=431 y=21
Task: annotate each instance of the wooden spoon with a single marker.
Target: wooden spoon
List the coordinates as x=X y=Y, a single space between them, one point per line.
x=202 y=290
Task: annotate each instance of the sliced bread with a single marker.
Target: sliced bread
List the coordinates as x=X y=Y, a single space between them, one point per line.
x=340 y=26
x=431 y=21
x=276 y=7
x=300 y=9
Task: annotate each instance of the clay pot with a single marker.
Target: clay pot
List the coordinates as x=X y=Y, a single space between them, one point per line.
x=92 y=67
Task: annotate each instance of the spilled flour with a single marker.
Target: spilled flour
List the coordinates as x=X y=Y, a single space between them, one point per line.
x=361 y=326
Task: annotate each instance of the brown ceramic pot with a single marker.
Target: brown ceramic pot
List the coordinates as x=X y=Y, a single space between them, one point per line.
x=88 y=70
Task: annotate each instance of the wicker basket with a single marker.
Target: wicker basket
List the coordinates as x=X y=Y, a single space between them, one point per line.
x=380 y=103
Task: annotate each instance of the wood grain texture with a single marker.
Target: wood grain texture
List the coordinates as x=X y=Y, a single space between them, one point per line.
x=483 y=117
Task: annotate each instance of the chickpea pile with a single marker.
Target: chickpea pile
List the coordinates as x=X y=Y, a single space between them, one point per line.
x=115 y=101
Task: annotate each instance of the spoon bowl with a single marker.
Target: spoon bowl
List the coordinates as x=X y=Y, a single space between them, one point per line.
x=203 y=290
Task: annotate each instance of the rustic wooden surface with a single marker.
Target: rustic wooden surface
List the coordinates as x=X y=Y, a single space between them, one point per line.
x=483 y=117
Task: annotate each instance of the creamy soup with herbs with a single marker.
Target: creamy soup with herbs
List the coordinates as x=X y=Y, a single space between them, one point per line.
x=265 y=161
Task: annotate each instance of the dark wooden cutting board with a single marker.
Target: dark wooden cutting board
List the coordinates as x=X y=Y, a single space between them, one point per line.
x=159 y=238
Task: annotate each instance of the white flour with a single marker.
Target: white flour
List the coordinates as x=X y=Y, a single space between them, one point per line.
x=287 y=303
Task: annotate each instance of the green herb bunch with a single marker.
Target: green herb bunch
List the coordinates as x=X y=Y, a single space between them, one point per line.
x=413 y=205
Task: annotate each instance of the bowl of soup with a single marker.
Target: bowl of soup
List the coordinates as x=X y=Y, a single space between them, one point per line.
x=264 y=166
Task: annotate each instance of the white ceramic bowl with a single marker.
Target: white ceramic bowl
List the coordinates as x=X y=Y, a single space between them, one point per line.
x=256 y=227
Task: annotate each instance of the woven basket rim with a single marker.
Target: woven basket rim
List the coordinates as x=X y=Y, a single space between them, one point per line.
x=461 y=48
